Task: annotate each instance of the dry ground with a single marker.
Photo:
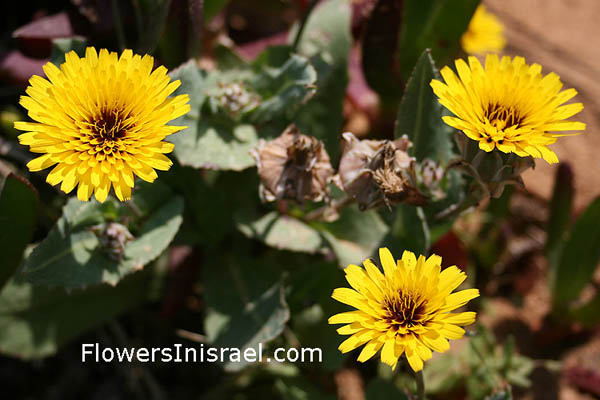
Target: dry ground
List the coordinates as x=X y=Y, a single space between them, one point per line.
x=564 y=37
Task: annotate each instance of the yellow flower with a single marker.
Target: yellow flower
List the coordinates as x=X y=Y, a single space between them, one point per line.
x=404 y=310
x=101 y=119
x=484 y=34
x=508 y=105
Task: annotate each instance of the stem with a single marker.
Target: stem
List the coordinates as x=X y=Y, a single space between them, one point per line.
x=118 y=24
x=309 y=9
x=420 y=385
x=335 y=206
x=470 y=200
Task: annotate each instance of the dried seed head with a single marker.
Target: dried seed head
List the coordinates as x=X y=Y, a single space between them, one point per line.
x=378 y=171
x=293 y=166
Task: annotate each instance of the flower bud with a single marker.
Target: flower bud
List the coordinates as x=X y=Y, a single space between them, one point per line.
x=494 y=170
x=293 y=166
x=113 y=237
x=378 y=171
x=232 y=99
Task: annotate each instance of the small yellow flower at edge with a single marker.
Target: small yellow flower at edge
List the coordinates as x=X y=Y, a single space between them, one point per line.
x=507 y=105
x=485 y=33
x=404 y=310
x=101 y=119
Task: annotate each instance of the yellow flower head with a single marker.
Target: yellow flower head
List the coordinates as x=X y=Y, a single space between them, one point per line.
x=404 y=310
x=484 y=34
x=101 y=119
x=507 y=105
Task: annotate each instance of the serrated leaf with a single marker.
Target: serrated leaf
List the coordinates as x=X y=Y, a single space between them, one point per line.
x=245 y=305
x=437 y=25
x=283 y=232
x=326 y=40
x=71 y=256
x=355 y=236
x=420 y=115
x=420 y=118
x=35 y=321
x=579 y=258
x=18 y=215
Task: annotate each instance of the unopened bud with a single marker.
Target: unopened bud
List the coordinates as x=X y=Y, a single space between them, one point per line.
x=232 y=99
x=293 y=166
x=113 y=237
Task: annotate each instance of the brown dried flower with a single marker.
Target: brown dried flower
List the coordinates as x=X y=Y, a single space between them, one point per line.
x=293 y=166
x=378 y=171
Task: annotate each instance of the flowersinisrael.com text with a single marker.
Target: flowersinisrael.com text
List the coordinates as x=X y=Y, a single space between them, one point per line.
x=178 y=353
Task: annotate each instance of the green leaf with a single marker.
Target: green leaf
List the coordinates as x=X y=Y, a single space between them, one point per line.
x=420 y=118
x=326 y=40
x=221 y=138
x=283 y=232
x=35 y=321
x=212 y=8
x=379 y=389
x=420 y=115
x=207 y=143
x=443 y=373
x=283 y=87
x=245 y=305
x=212 y=144
x=72 y=255
x=355 y=236
x=61 y=46
x=208 y=203
x=18 y=215
x=410 y=231
x=437 y=25
x=560 y=215
x=150 y=17
x=588 y=314
x=580 y=256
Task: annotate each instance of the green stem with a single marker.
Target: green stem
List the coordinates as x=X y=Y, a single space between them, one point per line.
x=118 y=24
x=298 y=36
x=334 y=206
x=420 y=385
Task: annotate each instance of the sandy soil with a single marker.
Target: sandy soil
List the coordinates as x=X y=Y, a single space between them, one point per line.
x=564 y=37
